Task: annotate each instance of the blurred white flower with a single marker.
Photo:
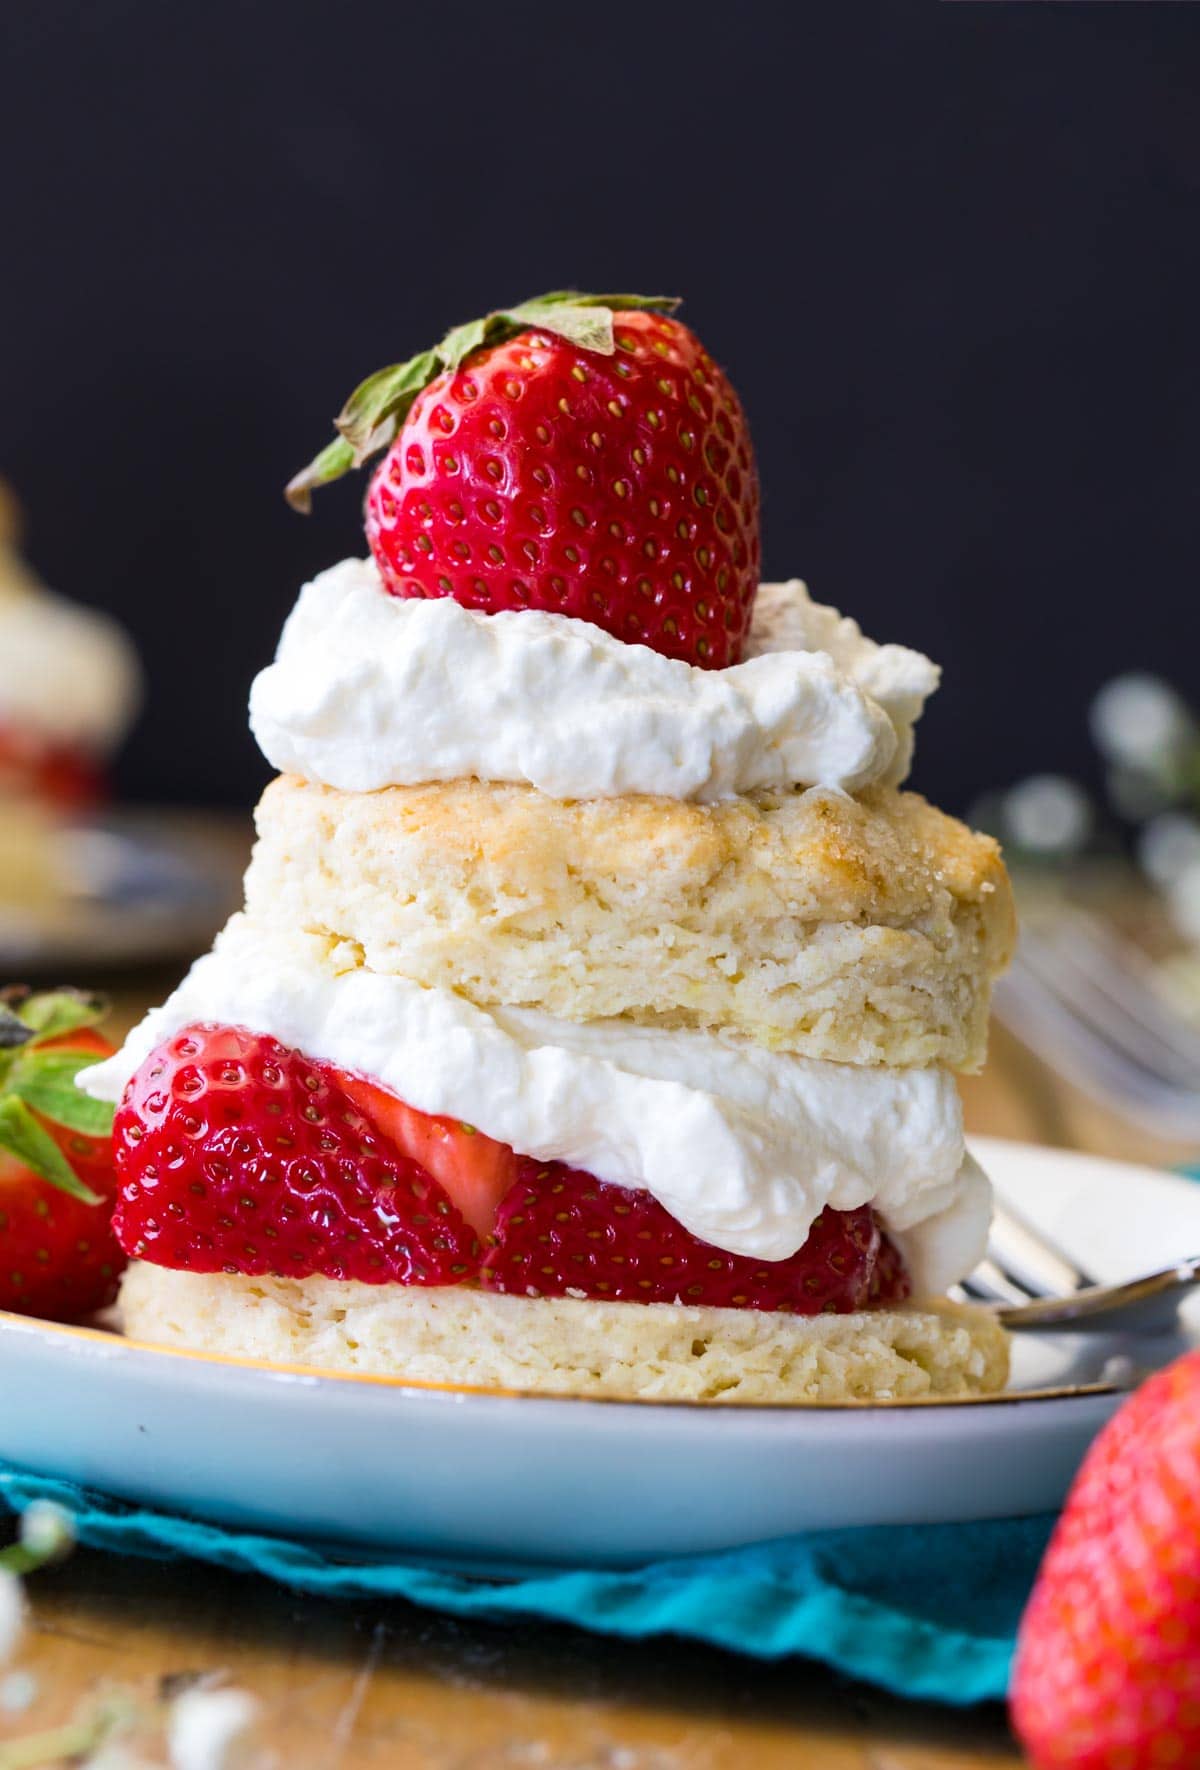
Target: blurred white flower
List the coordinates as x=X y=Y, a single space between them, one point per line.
x=12 y=1614
x=46 y=1530
x=17 y=1692
x=1047 y=814
x=213 y=1730
x=1139 y=720
x=1167 y=846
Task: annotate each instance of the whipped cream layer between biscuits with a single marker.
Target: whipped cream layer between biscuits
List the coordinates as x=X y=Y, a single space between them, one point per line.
x=743 y=1146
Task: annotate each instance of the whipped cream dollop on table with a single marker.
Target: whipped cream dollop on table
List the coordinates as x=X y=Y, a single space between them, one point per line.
x=742 y=1145
x=369 y=690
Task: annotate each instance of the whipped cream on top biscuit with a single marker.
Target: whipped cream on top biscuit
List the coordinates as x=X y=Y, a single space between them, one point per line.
x=743 y=1146
x=786 y=619
x=369 y=690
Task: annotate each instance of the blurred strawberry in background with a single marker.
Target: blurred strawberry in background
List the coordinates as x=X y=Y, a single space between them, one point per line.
x=70 y=683
x=58 y=1256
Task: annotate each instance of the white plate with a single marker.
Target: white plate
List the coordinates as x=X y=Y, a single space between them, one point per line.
x=505 y=1480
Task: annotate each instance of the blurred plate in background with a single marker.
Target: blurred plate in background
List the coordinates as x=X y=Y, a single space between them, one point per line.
x=124 y=888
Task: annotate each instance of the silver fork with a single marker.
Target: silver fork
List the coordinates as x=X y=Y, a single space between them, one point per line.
x=1032 y=1284
x=1082 y=997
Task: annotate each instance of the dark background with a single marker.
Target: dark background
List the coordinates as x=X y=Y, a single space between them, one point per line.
x=950 y=254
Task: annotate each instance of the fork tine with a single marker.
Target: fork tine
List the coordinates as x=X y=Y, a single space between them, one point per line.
x=1084 y=1054
x=989 y=1283
x=1022 y=1265
x=1124 y=971
x=1031 y=1259
x=1078 y=973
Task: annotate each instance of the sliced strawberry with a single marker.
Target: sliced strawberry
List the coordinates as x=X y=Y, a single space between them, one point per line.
x=474 y=1171
x=889 y=1278
x=560 y=1231
x=237 y=1154
x=58 y=1256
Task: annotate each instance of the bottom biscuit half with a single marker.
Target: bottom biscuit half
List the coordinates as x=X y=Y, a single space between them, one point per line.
x=567 y=1346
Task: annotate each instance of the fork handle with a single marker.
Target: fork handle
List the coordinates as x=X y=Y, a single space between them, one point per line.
x=1146 y=1305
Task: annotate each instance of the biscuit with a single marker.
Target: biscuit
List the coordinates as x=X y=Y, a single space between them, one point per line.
x=466 y=1337
x=863 y=930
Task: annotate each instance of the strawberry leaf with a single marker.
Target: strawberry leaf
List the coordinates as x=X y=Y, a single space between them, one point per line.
x=35 y=1148
x=591 y=328
x=372 y=416
x=46 y=1080
x=461 y=341
x=53 y=1013
x=334 y=460
x=376 y=409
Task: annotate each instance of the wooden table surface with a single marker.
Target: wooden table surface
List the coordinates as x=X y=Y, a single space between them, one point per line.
x=380 y=1684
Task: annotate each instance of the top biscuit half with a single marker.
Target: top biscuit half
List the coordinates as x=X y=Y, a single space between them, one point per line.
x=865 y=930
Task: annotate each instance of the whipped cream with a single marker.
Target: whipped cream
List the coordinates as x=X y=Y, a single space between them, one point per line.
x=743 y=1146
x=68 y=673
x=786 y=619
x=369 y=690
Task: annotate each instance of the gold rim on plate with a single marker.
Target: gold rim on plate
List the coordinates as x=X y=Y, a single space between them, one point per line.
x=108 y=1337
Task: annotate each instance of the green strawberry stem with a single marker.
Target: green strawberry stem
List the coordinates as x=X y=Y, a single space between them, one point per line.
x=38 y=1080
x=372 y=416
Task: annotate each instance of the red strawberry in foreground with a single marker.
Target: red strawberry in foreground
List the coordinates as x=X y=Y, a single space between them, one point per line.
x=559 y=1231
x=1107 y=1674
x=237 y=1154
x=580 y=454
x=58 y=1256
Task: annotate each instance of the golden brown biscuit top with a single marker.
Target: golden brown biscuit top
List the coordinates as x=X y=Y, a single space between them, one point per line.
x=885 y=857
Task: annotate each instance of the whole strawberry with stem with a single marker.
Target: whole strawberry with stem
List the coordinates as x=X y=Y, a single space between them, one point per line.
x=58 y=1255
x=1107 y=1672
x=581 y=454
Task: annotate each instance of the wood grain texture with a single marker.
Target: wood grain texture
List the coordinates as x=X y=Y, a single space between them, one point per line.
x=380 y=1684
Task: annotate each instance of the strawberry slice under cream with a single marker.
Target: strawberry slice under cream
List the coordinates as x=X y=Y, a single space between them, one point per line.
x=475 y=1171
x=238 y=1155
x=743 y=1146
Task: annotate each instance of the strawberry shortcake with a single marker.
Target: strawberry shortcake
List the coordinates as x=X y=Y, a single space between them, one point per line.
x=591 y=1024
x=69 y=689
x=69 y=685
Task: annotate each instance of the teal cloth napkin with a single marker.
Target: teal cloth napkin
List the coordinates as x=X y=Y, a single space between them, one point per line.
x=927 y=1611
